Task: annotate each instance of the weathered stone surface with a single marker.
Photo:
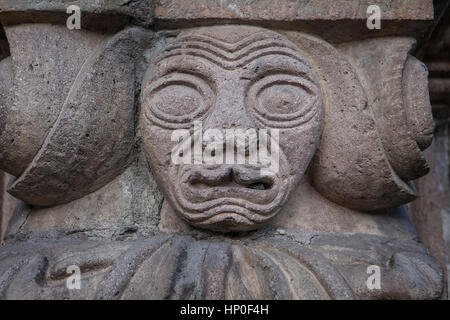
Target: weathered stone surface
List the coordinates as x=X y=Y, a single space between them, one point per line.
x=346 y=116
x=332 y=20
x=88 y=137
x=351 y=166
x=309 y=211
x=127 y=207
x=433 y=207
x=45 y=61
x=100 y=7
x=5 y=90
x=221 y=197
x=4 y=47
x=435 y=187
x=417 y=102
x=180 y=267
x=381 y=65
x=277 y=10
x=108 y=15
x=6 y=201
x=283 y=10
x=7 y=204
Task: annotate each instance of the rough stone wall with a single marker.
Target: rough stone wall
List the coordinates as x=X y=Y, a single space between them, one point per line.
x=435 y=54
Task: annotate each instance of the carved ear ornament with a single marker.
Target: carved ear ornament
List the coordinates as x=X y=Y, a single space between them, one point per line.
x=70 y=127
x=377 y=121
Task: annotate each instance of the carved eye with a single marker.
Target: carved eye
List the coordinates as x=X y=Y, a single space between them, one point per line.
x=283 y=100
x=177 y=99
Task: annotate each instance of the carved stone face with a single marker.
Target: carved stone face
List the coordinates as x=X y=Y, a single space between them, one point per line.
x=222 y=78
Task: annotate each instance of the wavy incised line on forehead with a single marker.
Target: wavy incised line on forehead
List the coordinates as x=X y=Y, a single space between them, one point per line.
x=228 y=46
x=231 y=55
x=232 y=65
x=213 y=57
x=234 y=56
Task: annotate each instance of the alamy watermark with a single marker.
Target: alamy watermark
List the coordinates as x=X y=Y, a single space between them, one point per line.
x=230 y=146
x=374 y=17
x=74 y=20
x=374 y=280
x=73 y=282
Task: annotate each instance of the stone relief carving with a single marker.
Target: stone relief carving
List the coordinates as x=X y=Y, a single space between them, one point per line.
x=91 y=157
x=244 y=78
x=353 y=120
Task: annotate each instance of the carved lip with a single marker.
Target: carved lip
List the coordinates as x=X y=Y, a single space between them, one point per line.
x=229 y=181
x=237 y=195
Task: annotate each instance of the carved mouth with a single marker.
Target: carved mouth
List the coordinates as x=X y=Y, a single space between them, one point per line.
x=206 y=183
x=227 y=197
x=229 y=176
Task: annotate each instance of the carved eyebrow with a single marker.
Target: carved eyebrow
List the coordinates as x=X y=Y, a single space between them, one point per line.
x=228 y=46
x=231 y=56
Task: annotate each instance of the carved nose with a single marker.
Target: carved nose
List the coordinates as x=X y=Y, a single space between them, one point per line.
x=237 y=141
x=229 y=110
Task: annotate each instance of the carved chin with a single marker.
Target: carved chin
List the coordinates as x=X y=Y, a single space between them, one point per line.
x=227 y=197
